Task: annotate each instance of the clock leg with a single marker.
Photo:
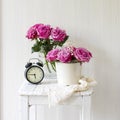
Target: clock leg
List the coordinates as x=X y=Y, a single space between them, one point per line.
x=24 y=108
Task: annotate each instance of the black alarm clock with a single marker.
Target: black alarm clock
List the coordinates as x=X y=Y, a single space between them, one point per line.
x=34 y=72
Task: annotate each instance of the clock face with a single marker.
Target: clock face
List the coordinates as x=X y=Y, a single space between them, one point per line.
x=34 y=74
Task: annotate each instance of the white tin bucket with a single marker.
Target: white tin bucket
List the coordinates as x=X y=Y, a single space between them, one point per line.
x=68 y=73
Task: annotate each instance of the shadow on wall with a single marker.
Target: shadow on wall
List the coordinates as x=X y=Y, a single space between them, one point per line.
x=106 y=72
x=105 y=99
x=104 y=68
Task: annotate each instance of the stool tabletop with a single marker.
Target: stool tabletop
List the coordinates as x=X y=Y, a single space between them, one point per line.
x=42 y=89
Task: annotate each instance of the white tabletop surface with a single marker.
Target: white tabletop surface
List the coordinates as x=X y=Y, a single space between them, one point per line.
x=28 y=89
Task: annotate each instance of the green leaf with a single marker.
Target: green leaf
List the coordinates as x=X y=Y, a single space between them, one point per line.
x=36 y=47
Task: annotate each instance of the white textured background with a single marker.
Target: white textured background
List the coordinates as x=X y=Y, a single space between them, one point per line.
x=95 y=24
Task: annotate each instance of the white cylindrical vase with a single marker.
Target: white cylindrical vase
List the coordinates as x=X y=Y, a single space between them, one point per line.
x=68 y=73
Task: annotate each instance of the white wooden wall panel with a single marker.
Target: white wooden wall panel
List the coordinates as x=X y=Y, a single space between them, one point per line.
x=94 y=24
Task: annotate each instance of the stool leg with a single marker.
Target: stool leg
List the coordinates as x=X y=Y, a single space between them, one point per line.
x=24 y=108
x=86 y=108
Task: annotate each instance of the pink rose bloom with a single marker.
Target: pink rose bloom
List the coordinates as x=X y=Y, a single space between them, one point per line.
x=82 y=54
x=31 y=33
x=52 y=55
x=64 y=55
x=71 y=49
x=57 y=34
x=44 y=31
x=36 y=26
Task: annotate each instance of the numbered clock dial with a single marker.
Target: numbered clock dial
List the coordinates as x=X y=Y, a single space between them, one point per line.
x=34 y=74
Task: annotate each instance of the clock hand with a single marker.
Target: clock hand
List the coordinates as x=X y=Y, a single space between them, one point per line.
x=30 y=74
x=35 y=76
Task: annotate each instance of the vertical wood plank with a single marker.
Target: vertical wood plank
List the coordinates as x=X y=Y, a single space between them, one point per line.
x=33 y=112
x=85 y=113
x=41 y=112
x=82 y=108
x=24 y=108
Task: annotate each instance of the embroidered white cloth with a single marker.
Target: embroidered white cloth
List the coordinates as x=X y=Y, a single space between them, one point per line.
x=65 y=92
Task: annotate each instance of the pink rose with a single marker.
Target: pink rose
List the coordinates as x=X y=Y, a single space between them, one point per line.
x=52 y=55
x=82 y=54
x=57 y=34
x=64 y=55
x=44 y=31
x=71 y=49
x=31 y=33
x=36 y=26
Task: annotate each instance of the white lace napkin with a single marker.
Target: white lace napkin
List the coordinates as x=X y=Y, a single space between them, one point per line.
x=64 y=93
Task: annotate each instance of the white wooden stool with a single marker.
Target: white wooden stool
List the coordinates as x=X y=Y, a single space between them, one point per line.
x=34 y=102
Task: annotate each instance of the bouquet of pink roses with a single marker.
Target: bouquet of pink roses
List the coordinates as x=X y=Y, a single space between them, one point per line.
x=69 y=54
x=46 y=38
